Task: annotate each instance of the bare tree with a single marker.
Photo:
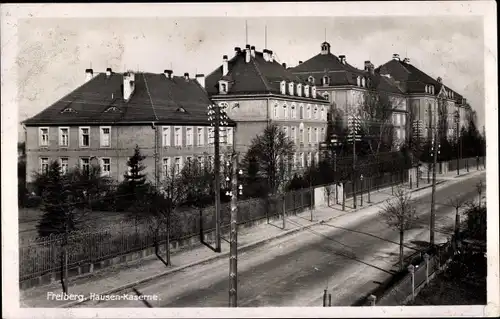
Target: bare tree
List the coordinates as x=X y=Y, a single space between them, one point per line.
x=268 y=152
x=400 y=214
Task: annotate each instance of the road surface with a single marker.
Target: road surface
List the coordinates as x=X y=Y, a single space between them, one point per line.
x=350 y=257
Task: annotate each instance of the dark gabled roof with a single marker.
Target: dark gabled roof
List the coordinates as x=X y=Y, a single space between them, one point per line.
x=330 y=65
x=256 y=77
x=100 y=100
x=413 y=80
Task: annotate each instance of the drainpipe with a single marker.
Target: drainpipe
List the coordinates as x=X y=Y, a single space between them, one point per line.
x=155 y=128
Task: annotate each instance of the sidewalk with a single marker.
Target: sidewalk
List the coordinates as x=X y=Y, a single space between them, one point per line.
x=124 y=276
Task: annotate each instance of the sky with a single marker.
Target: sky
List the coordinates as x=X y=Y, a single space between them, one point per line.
x=53 y=53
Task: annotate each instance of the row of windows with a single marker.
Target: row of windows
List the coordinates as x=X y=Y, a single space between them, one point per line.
x=317 y=137
x=226 y=136
x=296 y=89
x=83 y=133
x=84 y=164
x=311 y=113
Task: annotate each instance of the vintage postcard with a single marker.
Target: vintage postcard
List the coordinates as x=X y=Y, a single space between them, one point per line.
x=250 y=159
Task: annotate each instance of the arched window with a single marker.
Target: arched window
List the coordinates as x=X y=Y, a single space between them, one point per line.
x=326 y=80
x=285 y=112
x=308 y=111
x=323 y=113
x=358 y=81
x=293 y=112
x=290 y=88
x=315 y=112
x=301 y=112
x=276 y=111
x=283 y=87
x=363 y=82
x=310 y=79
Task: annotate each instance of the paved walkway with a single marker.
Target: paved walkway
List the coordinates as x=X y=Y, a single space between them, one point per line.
x=129 y=274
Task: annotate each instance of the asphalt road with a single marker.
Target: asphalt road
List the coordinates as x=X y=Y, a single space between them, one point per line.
x=349 y=257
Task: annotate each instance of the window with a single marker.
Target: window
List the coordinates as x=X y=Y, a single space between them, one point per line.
x=44 y=165
x=106 y=166
x=189 y=161
x=294 y=161
x=358 y=81
x=105 y=136
x=201 y=161
x=301 y=159
x=85 y=164
x=326 y=80
x=294 y=134
x=177 y=165
x=84 y=136
x=323 y=115
x=363 y=82
x=315 y=112
x=290 y=88
x=316 y=157
x=323 y=134
x=395 y=118
x=222 y=87
x=285 y=112
x=316 y=134
x=64 y=165
x=211 y=135
x=166 y=135
x=301 y=112
x=293 y=112
x=210 y=160
x=308 y=111
x=166 y=166
x=403 y=119
x=199 y=137
x=301 y=136
x=189 y=136
x=299 y=89
x=44 y=136
x=64 y=136
x=310 y=80
x=309 y=159
x=276 y=111
x=283 y=87
x=326 y=96
x=229 y=132
x=309 y=140
x=285 y=131
x=178 y=136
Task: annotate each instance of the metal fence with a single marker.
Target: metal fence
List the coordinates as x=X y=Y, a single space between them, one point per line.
x=43 y=255
x=464 y=162
x=376 y=182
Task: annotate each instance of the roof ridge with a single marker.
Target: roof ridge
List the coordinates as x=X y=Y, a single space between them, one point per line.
x=149 y=95
x=264 y=80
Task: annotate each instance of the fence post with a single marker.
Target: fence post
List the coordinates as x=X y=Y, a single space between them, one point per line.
x=284 y=210
x=343 y=196
x=411 y=269
x=426 y=257
x=369 y=186
x=329 y=300
x=372 y=299
x=324 y=298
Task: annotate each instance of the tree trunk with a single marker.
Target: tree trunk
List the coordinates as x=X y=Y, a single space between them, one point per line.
x=401 y=257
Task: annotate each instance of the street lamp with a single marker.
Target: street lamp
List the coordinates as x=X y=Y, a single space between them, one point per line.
x=361 y=191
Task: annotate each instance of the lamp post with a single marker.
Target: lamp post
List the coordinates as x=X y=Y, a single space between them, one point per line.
x=334 y=142
x=354 y=128
x=218 y=118
x=361 y=189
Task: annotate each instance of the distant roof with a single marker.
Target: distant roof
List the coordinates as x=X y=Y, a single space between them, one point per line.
x=256 y=77
x=413 y=79
x=100 y=100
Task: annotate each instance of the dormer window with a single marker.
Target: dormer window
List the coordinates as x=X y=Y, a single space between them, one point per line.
x=326 y=96
x=283 y=87
x=313 y=92
x=310 y=80
x=358 y=81
x=112 y=109
x=363 y=82
x=306 y=90
x=290 y=88
x=299 y=89
x=68 y=110
x=326 y=80
x=223 y=87
x=181 y=109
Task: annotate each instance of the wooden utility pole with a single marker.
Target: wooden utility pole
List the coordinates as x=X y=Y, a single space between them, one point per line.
x=435 y=146
x=233 y=249
x=354 y=125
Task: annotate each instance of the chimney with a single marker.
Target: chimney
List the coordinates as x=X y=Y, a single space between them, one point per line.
x=406 y=60
x=168 y=73
x=271 y=56
x=247 y=53
x=108 y=71
x=225 y=65
x=300 y=62
x=369 y=67
x=201 y=79
x=284 y=65
x=186 y=76
x=342 y=59
x=128 y=85
x=89 y=74
x=237 y=50
x=252 y=51
x=395 y=56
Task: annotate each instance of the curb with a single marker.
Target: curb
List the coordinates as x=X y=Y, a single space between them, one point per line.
x=225 y=254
